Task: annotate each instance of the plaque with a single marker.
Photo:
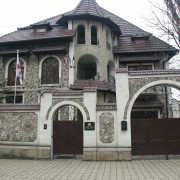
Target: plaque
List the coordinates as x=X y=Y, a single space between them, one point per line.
x=89 y=125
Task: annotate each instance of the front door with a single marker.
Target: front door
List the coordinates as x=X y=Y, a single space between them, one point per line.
x=68 y=131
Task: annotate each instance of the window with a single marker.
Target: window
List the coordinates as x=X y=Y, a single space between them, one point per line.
x=12 y=73
x=139 y=67
x=81 y=35
x=18 y=100
x=94 y=35
x=50 y=71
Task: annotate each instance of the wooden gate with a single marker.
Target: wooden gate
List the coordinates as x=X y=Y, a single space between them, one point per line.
x=155 y=136
x=68 y=131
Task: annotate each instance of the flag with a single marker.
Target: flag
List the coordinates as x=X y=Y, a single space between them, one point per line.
x=18 y=69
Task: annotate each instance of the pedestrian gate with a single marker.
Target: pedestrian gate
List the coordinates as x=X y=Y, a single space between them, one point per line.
x=68 y=131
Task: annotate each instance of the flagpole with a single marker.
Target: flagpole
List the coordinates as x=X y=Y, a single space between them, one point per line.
x=16 y=78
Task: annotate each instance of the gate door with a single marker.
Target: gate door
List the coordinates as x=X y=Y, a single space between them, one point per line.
x=68 y=131
x=155 y=136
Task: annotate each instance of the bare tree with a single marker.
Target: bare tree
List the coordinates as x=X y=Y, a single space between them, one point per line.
x=166 y=18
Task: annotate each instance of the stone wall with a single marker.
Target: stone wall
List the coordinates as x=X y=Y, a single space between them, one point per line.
x=106 y=128
x=32 y=79
x=18 y=127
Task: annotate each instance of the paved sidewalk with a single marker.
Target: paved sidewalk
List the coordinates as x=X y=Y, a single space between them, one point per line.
x=89 y=170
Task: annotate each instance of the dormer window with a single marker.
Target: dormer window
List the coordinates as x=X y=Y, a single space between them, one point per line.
x=41 y=28
x=140 y=39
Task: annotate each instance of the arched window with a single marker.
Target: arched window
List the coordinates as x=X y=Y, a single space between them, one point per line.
x=81 y=34
x=94 y=35
x=50 y=71
x=12 y=73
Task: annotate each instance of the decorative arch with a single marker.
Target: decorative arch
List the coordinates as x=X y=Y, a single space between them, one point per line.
x=53 y=109
x=130 y=103
x=87 y=67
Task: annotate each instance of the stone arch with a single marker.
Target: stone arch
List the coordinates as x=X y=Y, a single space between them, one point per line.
x=87 y=67
x=131 y=101
x=53 y=109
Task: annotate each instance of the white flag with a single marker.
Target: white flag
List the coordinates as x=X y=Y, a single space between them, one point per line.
x=18 y=69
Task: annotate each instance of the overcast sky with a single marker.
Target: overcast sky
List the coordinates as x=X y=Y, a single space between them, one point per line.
x=19 y=13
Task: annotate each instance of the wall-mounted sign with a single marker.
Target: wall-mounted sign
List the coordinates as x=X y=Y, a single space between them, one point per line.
x=89 y=126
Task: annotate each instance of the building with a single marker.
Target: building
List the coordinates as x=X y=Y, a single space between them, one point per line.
x=84 y=74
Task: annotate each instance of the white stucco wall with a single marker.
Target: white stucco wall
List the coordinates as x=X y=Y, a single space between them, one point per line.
x=90 y=100
x=45 y=134
x=122 y=95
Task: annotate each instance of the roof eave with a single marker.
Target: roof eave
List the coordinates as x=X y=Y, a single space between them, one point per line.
x=172 y=52
x=68 y=38
x=115 y=28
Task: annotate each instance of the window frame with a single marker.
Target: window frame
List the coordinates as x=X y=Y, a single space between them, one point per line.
x=41 y=68
x=7 y=72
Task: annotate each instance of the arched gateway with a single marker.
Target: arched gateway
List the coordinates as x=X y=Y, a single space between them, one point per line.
x=155 y=126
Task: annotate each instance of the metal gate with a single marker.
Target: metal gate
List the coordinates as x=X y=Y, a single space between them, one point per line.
x=155 y=136
x=68 y=131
